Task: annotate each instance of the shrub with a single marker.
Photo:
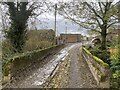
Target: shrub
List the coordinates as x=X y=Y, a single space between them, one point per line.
x=97 y=59
x=115 y=83
x=34 y=45
x=7 y=50
x=115 y=65
x=115 y=68
x=102 y=54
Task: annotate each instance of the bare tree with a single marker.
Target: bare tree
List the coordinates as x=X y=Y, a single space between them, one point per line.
x=96 y=16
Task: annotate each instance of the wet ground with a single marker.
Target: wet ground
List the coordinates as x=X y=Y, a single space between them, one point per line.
x=41 y=72
x=79 y=73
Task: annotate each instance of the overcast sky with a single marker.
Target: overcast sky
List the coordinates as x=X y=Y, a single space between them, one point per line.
x=48 y=21
x=62 y=24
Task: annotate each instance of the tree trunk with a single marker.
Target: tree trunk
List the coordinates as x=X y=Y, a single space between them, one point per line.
x=19 y=18
x=103 y=38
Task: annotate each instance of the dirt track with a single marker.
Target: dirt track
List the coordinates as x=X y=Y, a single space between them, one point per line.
x=79 y=73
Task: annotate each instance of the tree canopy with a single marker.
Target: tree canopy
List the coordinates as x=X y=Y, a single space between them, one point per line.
x=96 y=16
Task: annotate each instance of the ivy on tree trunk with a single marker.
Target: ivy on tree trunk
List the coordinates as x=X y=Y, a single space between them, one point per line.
x=18 y=15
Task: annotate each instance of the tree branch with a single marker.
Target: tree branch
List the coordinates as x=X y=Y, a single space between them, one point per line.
x=94 y=11
x=112 y=24
x=100 y=7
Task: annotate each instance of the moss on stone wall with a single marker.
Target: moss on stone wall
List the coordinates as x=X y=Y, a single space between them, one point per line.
x=100 y=69
x=23 y=60
x=96 y=58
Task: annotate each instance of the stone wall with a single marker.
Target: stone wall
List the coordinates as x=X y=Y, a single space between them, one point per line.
x=21 y=64
x=98 y=68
